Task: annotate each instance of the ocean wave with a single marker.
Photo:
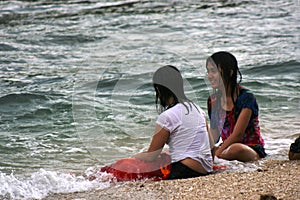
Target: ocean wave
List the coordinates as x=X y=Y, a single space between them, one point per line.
x=290 y=68
x=11 y=13
x=21 y=98
x=42 y=183
x=13 y=106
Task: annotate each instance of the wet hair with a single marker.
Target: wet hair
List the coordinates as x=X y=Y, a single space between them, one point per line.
x=229 y=70
x=168 y=82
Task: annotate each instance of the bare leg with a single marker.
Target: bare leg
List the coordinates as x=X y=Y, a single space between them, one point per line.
x=240 y=152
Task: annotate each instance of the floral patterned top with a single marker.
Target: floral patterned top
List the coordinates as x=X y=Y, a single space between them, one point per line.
x=225 y=121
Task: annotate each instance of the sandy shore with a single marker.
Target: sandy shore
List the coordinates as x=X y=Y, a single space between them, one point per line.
x=275 y=179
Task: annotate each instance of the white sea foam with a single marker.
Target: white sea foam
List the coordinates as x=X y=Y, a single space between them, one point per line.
x=236 y=166
x=43 y=182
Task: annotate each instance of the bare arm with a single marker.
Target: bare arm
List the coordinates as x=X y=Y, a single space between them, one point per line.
x=159 y=139
x=238 y=131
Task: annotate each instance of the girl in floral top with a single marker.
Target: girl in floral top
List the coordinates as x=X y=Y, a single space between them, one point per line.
x=233 y=111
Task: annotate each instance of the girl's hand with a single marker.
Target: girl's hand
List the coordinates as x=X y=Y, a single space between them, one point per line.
x=213 y=151
x=141 y=156
x=147 y=156
x=158 y=141
x=218 y=151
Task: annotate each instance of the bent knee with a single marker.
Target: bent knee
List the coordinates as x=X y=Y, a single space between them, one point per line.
x=237 y=148
x=241 y=152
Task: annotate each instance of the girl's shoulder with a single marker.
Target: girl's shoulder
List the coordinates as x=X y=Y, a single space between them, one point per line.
x=245 y=92
x=173 y=110
x=186 y=107
x=246 y=99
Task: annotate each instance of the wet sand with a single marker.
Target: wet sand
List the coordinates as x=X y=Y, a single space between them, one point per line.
x=274 y=179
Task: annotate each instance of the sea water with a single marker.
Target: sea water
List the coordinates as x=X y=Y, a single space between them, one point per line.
x=76 y=91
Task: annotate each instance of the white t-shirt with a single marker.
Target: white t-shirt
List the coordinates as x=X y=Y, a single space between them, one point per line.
x=188 y=134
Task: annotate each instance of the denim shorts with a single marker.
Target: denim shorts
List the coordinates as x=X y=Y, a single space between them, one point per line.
x=259 y=150
x=181 y=171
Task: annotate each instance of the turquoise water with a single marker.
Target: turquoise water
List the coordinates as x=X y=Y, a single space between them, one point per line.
x=76 y=91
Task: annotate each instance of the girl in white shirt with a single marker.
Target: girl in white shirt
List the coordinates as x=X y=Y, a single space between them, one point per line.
x=182 y=125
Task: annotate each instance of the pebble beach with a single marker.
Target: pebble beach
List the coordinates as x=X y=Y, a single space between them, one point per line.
x=274 y=179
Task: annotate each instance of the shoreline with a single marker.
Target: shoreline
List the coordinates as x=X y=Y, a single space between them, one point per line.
x=274 y=179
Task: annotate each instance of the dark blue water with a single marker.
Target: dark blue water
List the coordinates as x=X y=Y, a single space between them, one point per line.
x=75 y=79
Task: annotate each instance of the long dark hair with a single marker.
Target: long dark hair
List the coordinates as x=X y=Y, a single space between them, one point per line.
x=229 y=70
x=168 y=82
